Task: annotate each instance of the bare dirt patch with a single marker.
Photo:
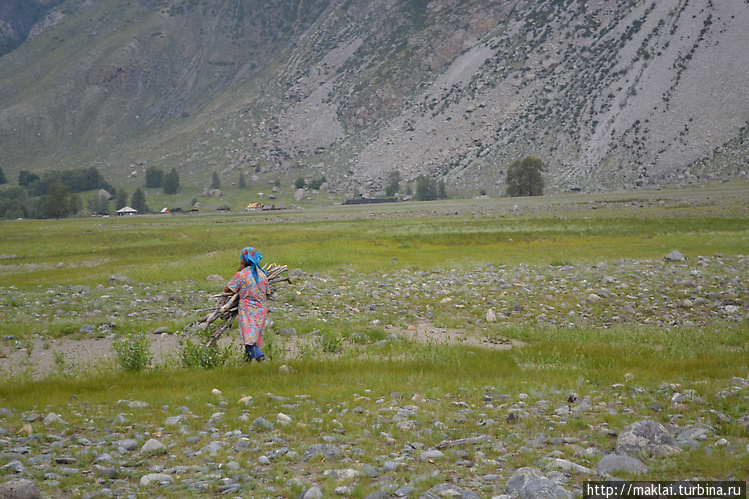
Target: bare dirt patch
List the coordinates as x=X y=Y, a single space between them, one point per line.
x=71 y=356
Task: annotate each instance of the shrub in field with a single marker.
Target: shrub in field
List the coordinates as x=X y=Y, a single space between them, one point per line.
x=203 y=356
x=133 y=352
x=331 y=342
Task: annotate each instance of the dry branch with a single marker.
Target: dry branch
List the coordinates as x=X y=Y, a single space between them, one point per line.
x=225 y=310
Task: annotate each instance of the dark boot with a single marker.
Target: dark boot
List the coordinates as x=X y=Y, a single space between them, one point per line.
x=252 y=352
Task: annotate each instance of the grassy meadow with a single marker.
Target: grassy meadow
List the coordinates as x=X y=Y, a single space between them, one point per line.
x=343 y=247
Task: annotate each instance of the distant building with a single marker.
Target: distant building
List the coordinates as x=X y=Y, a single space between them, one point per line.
x=223 y=209
x=253 y=207
x=165 y=211
x=126 y=210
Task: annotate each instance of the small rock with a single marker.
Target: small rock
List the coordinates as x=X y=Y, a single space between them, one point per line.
x=312 y=493
x=404 y=491
x=431 y=455
x=161 y=478
x=326 y=450
x=614 y=463
x=344 y=474
x=104 y=472
x=153 y=448
x=263 y=424
x=284 y=369
x=174 y=420
x=53 y=418
x=127 y=444
x=674 y=256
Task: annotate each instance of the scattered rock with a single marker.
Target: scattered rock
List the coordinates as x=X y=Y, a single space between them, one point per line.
x=645 y=437
x=153 y=448
x=326 y=450
x=160 y=478
x=614 y=463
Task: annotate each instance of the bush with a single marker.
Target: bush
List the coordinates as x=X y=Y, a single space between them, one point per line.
x=133 y=352
x=203 y=356
x=331 y=342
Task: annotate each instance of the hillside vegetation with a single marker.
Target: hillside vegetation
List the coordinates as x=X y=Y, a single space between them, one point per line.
x=617 y=94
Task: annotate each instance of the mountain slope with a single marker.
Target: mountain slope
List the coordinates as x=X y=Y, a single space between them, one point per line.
x=611 y=95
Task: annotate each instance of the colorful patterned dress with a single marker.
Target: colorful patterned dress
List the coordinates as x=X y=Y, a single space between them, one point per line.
x=252 y=304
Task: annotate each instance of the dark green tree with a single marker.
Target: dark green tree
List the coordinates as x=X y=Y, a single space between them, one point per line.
x=3 y=180
x=394 y=184
x=215 y=181
x=154 y=176
x=524 y=177
x=441 y=189
x=75 y=204
x=242 y=181
x=138 y=201
x=316 y=183
x=120 y=201
x=98 y=206
x=299 y=183
x=26 y=178
x=426 y=188
x=171 y=182
x=57 y=202
x=13 y=202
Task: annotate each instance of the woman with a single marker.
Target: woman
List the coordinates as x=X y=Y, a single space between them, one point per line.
x=251 y=283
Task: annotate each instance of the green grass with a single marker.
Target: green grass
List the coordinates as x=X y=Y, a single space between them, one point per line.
x=624 y=368
x=169 y=248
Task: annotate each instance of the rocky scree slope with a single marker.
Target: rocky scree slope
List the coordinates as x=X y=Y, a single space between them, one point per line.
x=613 y=95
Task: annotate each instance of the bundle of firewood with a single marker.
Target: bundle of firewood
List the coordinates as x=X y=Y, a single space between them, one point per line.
x=225 y=311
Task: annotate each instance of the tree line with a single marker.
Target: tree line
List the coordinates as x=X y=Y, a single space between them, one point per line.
x=55 y=194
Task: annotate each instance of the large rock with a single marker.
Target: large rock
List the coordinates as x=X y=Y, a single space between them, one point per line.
x=530 y=483
x=674 y=256
x=19 y=489
x=645 y=438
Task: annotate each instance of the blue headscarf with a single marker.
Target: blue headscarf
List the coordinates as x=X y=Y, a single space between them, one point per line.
x=251 y=258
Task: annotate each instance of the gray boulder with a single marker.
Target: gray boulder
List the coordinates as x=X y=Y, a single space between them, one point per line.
x=530 y=483
x=326 y=450
x=614 y=463
x=645 y=438
x=674 y=256
x=19 y=489
x=153 y=448
x=448 y=490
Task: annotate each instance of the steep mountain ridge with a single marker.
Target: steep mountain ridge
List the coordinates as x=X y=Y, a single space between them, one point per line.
x=615 y=94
